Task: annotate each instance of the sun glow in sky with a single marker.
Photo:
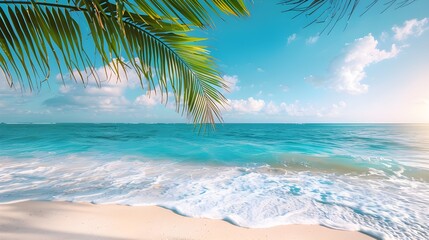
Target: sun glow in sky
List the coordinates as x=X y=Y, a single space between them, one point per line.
x=426 y=107
x=374 y=70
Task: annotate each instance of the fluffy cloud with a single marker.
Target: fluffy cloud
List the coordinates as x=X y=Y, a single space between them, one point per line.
x=231 y=83
x=272 y=108
x=412 y=27
x=312 y=40
x=106 y=93
x=249 y=105
x=291 y=38
x=295 y=109
x=150 y=99
x=348 y=70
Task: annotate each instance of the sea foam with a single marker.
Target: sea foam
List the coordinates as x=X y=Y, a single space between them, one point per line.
x=392 y=207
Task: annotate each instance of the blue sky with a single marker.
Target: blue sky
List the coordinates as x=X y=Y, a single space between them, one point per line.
x=375 y=70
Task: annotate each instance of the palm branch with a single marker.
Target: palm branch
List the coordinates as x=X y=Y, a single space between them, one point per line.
x=148 y=36
x=330 y=12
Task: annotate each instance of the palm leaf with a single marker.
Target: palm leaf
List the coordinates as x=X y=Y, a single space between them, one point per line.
x=330 y=12
x=151 y=37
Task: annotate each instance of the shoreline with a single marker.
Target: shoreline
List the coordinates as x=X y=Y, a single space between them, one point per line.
x=68 y=220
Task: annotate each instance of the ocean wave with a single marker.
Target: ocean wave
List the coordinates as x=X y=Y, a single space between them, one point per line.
x=392 y=205
x=366 y=166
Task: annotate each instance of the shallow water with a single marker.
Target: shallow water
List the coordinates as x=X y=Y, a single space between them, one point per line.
x=371 y=178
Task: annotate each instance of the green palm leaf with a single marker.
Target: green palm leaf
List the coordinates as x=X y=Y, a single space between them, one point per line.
x=150 y=37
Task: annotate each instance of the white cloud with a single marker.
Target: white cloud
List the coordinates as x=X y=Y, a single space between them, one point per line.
x=295 y=109
x=110 y=94
x=250 y=105
x=150 y=99
x=260 y=70
x=231 y=82
x=272 y=108
x=348 y=70
x=312 y=39
x=291 y=38
x=412 y=27
x=106 y=78
x=105 y=93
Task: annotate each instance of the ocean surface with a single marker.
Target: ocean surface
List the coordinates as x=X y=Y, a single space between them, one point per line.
x=371 y=178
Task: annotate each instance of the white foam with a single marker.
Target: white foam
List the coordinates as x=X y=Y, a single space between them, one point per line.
x=388 y=208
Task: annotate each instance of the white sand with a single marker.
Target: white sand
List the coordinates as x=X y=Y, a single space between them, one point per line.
x=63 y=220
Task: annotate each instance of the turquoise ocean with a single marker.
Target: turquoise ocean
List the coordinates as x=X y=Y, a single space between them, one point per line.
x=373 y=178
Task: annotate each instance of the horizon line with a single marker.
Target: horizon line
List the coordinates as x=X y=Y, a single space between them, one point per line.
x=151 y=123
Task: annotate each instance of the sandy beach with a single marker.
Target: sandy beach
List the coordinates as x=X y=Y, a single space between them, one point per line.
x=65 y=220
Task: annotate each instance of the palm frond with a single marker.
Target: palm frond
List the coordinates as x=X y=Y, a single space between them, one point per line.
x=151 y=37
x=195 y=11
x=331 y=12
